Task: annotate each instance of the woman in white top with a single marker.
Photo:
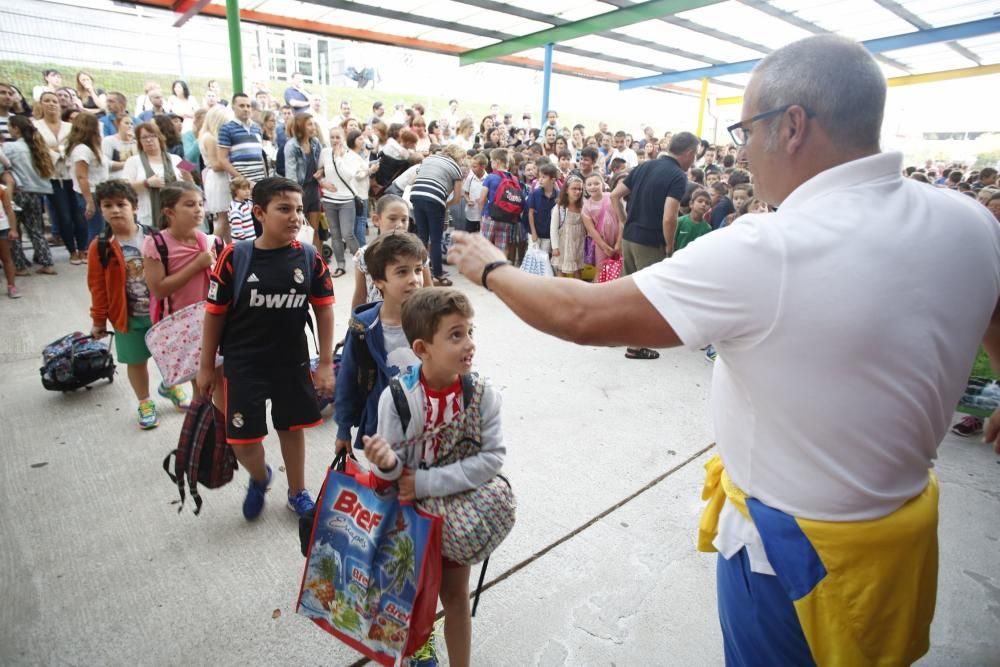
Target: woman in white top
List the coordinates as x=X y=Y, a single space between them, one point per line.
x=182 y=103
x=88 y=169
x=339 y=176
x=62 y=203
x=463 y=137
x=214 y=178
x=419 y=127
x=357 y=142
x=269 y=140
x=119 y=147
x=151 y=170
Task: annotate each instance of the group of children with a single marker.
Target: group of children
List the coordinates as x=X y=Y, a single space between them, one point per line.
x=258 y=294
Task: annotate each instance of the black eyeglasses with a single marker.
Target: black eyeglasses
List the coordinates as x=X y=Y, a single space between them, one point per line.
x=741 y=130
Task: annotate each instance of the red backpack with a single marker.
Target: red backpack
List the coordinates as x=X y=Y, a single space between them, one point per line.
x=508 y=202
x=202 y=456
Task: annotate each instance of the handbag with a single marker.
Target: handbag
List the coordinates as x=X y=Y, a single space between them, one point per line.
x=175 y=343
x=611 y=269
x=536 y=261
x=359 y=204
x=373 y=571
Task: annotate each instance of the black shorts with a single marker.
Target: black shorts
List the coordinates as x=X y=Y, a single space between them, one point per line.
x=311 y=198
x=249 y=386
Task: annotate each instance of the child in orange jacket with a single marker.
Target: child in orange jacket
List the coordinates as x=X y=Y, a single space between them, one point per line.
x=118 y=292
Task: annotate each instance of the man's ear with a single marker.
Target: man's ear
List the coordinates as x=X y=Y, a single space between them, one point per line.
x=796 y=128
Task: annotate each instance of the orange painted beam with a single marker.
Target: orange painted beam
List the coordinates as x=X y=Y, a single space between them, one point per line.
x=358 y=34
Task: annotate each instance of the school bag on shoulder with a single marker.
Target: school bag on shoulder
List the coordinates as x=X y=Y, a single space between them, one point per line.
x=243 y=253
x=475 y=521
x=75 y=361
x=202 y=456
x=508 y=203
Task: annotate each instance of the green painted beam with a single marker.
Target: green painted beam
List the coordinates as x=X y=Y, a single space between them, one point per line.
x=643 y=11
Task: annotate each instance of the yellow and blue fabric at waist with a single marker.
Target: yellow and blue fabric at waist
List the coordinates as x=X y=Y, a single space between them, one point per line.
x=864 y=591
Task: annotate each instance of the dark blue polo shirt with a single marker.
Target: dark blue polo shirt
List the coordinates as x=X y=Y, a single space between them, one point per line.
x=649 y=186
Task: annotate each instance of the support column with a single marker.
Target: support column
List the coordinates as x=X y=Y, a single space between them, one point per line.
x=235 y=44
x=701 y=105
x=546 y=83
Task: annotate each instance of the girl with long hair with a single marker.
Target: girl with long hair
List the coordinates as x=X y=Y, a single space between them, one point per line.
x=33 y=171
x=93 y=99
x=302 y=165
x=214 y=176
x=89 y=169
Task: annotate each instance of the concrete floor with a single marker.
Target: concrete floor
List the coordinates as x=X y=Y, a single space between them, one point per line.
x=97 y=567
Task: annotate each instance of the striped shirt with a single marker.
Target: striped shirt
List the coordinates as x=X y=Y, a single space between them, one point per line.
x=5 y=129
x=436 y=179
x=244 y=144
x=241 y=220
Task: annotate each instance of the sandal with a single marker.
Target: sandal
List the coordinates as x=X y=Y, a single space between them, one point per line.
x=442 y=282
x=20 y=273
x=339 y=272
x=641 y=353
x=47 y=271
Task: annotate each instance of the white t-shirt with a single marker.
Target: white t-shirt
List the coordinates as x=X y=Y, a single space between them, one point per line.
x=133 y=171
x=846 y=324
x=631 y=159
x=97 y=172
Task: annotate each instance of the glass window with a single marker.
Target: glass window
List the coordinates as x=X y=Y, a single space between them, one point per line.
x=279 y=66
x=304 y=51
x=306 y=67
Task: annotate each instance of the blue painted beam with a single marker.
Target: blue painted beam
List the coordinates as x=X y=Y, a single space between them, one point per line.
x=546 y=83
x=882 y=44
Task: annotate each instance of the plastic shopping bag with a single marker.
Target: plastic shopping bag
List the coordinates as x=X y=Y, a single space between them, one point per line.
x=374 y=569
x=536 y=261
x=175 y=343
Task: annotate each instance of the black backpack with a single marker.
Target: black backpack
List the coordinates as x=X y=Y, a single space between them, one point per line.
x=202 y=456
x=75 y=361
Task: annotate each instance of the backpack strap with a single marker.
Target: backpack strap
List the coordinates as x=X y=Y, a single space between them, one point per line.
x=399 y=400
x=161 y=247
x=242 y=254
x=103 y=246
x=468 y=388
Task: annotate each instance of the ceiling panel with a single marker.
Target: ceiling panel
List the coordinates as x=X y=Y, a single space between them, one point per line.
x=939 y=13
x=738 y=19
x=662 y=60
x=689 y=40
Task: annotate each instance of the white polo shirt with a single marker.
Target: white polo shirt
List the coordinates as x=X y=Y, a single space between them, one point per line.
x=846 y=325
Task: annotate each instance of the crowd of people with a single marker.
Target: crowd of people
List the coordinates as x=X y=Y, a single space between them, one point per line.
x=125 y=186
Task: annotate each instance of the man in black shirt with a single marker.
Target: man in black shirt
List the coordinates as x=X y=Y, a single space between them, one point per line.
x=655 y=189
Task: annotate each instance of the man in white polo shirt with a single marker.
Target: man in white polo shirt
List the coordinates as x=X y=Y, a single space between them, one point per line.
x=823 y=506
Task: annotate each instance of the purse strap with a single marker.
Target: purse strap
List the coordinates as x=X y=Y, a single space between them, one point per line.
x=333 y=159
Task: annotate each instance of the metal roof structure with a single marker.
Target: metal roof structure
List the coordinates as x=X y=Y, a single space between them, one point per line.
x=658 y=43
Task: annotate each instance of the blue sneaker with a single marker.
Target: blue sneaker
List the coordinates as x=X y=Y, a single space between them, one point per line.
x=301 y=502
x=254 y=502
x=710 y=353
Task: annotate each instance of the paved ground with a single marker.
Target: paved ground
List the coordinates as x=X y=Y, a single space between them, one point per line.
x=97 y=567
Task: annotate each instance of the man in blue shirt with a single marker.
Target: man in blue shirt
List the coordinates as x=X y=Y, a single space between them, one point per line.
x=156 y=101
x=116 y=106
x=296 y=96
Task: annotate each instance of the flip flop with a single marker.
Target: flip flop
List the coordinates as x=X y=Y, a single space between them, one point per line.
x=339 y=272
x=442 y=282
x=641 y=353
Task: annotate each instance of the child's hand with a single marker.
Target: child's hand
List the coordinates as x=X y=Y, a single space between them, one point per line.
x=407 y=486
x=98 y=332
x=555 y=253
x=323 y=380
x=206 y=381
x=378 y=452
x=341 y=446
x=204 y=260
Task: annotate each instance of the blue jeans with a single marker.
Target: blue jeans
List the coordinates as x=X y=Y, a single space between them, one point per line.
x=94 y=224
x=429 y=216
x=63 y=209
x=361 y=225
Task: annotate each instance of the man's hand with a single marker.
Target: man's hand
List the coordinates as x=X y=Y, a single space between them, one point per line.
x=206 y=381
x=991 y=430
x=471 y=253
x=323 y=380
x=378 y=451
x=407 y=486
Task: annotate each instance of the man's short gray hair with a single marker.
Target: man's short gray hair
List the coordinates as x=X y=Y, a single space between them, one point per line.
x=682 y=142
x=833 y=77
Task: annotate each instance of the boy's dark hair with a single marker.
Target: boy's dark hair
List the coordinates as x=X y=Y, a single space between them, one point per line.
x=423 y=311
x=392 y=247
x=743 y=187
x=549 y=169
x=738 y=177
x=720 y=187
x=268 y=188
x=698 y=176
x=589 y=152
x=564 y=153
x=535 y=149
x=909 y=171
x=699 y=194
x=964 y=187
x=116 y=188
x=617 y=162
x=728 y=161
x=620 y=134
x=987 y=172
x=237 y=184
x=955 y=177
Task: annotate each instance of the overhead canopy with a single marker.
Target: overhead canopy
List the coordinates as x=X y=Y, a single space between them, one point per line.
x=616 y=40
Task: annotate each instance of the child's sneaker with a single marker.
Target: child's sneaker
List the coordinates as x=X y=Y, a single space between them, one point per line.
x=968 y=427
x=147 y=415
x=13 y=292
x=710 y=353
x=176 y=395
x=301 y=502
x=254 y=502
x=425 y=656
